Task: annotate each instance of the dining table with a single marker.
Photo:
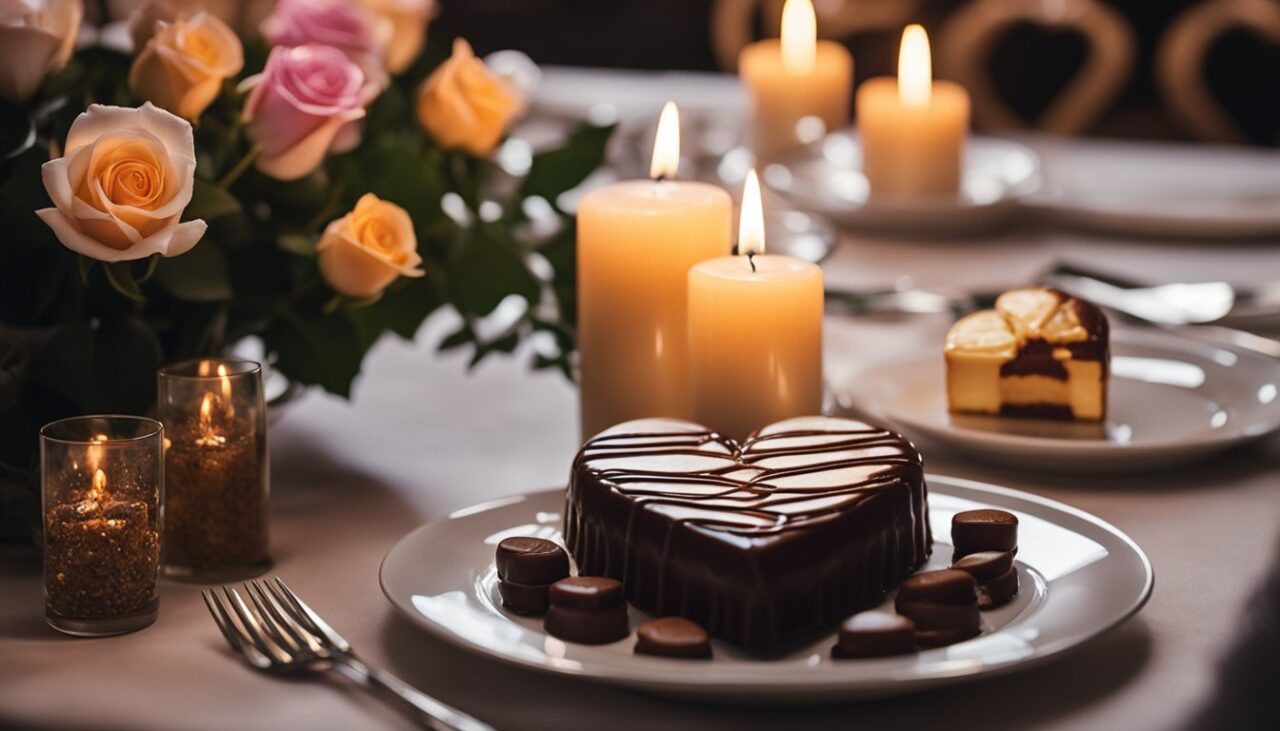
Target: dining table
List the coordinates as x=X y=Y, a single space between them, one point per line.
x=423 y=436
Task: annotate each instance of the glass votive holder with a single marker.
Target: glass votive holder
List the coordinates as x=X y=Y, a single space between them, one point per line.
x=102 y=481
x=215 y=470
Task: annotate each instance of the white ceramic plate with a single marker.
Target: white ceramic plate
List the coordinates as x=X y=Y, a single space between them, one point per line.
x=1181 y=191
x=829 y=180
x=1079 y=577
x=1173 y=400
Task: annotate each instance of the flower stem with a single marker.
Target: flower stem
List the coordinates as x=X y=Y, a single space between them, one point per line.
x=240 y=167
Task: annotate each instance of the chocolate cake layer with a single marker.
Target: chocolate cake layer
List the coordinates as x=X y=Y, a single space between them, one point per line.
x=807 y=522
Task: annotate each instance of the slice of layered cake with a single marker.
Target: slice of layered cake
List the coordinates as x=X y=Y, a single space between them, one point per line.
x=1039 y=353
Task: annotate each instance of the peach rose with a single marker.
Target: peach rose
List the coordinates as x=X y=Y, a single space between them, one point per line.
x=409 y=20
x=184 y=64
x=465 y=106
x=37 y=38
x=121 y=186
x=298 y=105
x=145 y=21
x=365 y=250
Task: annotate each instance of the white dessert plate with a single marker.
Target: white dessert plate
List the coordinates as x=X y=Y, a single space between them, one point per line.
x=1172 y=401
x=828 y=179
x=1079 y=576
x=1180 y=191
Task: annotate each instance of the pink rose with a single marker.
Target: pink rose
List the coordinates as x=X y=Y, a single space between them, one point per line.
x=343 y=24
x=298 y=104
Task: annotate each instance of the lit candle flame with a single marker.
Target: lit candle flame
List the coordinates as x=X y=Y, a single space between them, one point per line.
x=666 y=144
x=799 y=36
x=99 y=488
x=206 y=414
x=751 y=218
x=226 y=383
x=915 y=68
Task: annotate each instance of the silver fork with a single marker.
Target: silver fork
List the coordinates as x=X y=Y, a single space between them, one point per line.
x=281 y=634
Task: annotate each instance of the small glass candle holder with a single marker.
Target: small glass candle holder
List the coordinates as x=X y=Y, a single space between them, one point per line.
x=102 y=481
x=215 y=469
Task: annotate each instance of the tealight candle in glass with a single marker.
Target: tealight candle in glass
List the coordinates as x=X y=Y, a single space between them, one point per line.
x=102 y=480
x=215 y=470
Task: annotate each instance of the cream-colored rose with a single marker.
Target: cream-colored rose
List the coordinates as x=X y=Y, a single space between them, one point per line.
x=121 y=187
x=145 y=21
x=37 y=38
x=184 y=64
x=464 y=105
x=409 y=20
x=365 y=250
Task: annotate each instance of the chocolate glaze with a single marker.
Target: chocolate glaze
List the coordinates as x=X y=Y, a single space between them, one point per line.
x=985 y=565
x=528 y=560
x=986 y=529
x=587 y=626
x=1035 y=357
x=807 y=522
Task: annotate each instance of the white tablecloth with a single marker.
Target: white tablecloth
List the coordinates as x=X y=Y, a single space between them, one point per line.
x=421 y=437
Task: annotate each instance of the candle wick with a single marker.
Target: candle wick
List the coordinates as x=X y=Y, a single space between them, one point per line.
x=660 y=177
x=751 y=259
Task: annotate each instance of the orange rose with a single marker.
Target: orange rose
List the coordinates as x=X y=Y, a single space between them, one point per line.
x=409 y=20
x=365 y=250
x=121 y=187
x=184 y=64
x=464 y=105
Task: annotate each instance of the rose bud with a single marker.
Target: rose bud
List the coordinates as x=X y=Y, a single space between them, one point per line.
x=121 y=186
x=37 y=38
x=464 y=105
x=184 y=64
x=365 y=250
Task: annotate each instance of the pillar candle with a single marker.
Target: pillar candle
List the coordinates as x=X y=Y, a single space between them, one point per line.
x=913 y=128
x=636 y=242
x=755 y=333
x=799 y=87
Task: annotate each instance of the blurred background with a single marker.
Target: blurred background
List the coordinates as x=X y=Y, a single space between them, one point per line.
x=1194 y=70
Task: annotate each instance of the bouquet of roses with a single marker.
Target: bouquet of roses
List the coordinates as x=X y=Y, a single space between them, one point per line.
x=315 y=182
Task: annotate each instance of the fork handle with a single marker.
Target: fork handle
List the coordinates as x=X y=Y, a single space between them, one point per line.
x=428 y=711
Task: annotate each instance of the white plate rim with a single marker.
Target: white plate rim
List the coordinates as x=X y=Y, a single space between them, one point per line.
x=1209 y=440
x=659 y=680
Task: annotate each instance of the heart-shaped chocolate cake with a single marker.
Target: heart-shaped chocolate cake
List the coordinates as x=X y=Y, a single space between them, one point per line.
x=806 y=522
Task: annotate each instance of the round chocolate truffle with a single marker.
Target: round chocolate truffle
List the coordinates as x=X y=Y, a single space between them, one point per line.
x=985 y=565
x=947 y=586
x=531 y=561
x=586 y=592
x=875 y=634
x=984 y=530
x=587 y=626
x=673 y=637
x=523 y=598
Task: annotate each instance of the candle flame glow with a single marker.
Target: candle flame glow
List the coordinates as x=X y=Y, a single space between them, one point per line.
x=799 y=36
x=93 y=455
x=99 y=487
x=751 y=219
x=206 y=413
x=226 y=383
x=666 y=144
x=915 y=68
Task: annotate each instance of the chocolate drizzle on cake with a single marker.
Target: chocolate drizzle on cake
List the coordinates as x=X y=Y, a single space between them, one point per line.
x=802 y=524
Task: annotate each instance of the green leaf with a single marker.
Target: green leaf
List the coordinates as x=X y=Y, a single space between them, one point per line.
x=297 y=244
x=402 y=308
x=208 y=202
x=200 y=275
x=123 y=354
x=396 y=169
x=325 y=351
x=484 y=271
x=564 y=168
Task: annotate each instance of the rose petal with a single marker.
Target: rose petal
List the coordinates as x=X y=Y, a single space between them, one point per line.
x=29 y=52
x=305 y=156
x=76 y=240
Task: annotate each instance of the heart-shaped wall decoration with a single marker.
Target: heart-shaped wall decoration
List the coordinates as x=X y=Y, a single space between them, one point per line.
x=973 y=33
x=806 y=522
x=1186 y=48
